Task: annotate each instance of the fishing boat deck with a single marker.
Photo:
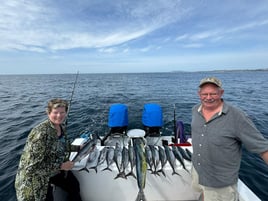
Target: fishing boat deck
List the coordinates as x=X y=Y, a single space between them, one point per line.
x=101 y=185
x=104 y=187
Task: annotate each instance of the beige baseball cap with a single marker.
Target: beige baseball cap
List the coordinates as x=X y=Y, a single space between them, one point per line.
x=211 y=80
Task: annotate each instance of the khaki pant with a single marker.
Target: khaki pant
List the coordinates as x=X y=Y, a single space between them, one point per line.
x=228 y=193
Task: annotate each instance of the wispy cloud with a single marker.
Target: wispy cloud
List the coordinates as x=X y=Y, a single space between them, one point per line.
x=181 y=37
x=144 y=31
x=218 y=34
x=193 y=45
x=81 y=25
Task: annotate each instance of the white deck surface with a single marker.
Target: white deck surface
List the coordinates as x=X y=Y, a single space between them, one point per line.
x=102 y=186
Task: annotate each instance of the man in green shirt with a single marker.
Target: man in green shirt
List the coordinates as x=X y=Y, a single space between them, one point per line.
x=218 y=132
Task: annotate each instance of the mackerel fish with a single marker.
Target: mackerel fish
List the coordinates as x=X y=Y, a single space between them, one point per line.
x=132 y=160
x=156 y=160
x=171 y=159
x=179 y=157
x=118 y=159
x=88 y=147
x=109 y=158
x=149 y=157
x=163 y=159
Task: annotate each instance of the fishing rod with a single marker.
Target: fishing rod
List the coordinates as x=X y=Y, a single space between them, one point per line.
x=70 y=101
x=67 y=115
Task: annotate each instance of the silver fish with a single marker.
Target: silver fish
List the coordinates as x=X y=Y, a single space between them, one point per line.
x=132 y=160
x=125 y=162
x=178 y=156
x=92 y=162
x=183 y=153
x=149 y=157
x=85 y=150
x=163 y=159
x=118 y=159
x=102 y=156
x=109 y=158
x=155 y=156
x=189 y=153
x=141 y=167
x=171 y=159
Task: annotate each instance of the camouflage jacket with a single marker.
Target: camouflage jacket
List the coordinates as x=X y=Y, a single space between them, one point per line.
x=42 y=157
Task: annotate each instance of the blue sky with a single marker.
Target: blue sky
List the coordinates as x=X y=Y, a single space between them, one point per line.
x=104 y=36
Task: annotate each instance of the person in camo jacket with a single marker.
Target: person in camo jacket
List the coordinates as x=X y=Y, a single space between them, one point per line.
x=44 y=160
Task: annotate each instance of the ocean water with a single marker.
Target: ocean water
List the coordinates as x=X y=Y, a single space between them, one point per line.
x=24 y=99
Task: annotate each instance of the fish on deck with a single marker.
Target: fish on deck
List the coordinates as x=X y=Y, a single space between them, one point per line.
x=88 y=147
x=141 y=167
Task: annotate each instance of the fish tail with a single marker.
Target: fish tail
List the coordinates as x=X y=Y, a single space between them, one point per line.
x=140 y=196
x=121 y=175
x=107 y=168
x=174 y=172
x=156 y=173
x=187 y=170
x=150 y=169
x=95 y=168
x=84 y=169
x=131 y=174
x=162 y=171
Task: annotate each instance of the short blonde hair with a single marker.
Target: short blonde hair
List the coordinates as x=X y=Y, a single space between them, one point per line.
x=55 y=103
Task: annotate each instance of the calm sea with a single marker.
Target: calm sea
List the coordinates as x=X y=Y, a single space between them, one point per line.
x=24 y=99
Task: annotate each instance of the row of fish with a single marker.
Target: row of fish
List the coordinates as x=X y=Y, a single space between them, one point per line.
x=136 y=154
x=124 y=158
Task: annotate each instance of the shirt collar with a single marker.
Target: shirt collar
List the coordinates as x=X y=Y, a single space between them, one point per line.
x=223 y=110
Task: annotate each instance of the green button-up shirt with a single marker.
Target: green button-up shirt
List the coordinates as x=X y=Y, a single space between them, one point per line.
x=217 y=144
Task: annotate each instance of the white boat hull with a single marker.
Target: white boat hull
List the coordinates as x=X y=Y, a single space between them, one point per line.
x=102 y=185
